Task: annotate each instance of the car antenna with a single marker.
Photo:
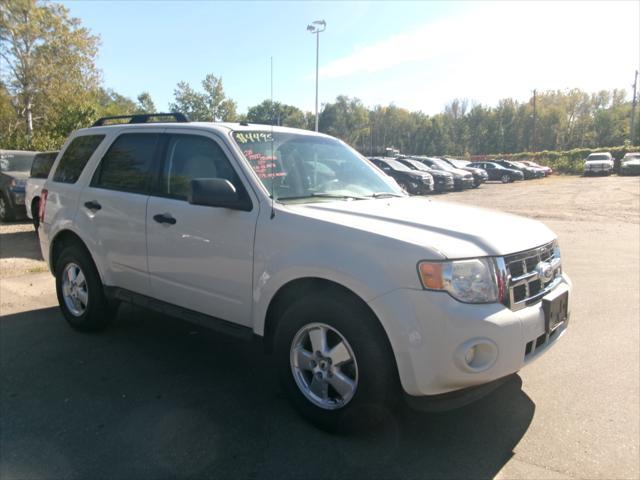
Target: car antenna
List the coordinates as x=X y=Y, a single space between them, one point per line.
x=273 y=159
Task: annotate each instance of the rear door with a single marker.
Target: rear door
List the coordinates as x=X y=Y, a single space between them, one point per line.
x=113 y=209
x=200 y=257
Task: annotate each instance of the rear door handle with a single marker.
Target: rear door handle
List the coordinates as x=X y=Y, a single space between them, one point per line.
x=93 y=205
x=164 y=218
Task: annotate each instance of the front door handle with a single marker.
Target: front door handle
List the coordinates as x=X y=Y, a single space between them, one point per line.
x=93 y=205
x=164 y=218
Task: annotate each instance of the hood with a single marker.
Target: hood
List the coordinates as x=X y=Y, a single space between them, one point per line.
x=634 y=162
x=16 y=174
x=598 y=162
x=414 y=174
x=443 y=229
x=458 y=172
x=474 y=170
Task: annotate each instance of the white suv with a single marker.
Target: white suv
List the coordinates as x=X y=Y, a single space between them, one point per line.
x=361 y=292
x=599 y=163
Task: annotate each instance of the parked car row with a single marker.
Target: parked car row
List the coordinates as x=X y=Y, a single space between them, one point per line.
x=421 y=174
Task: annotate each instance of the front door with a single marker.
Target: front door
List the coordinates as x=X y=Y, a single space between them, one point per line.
x=199 y=257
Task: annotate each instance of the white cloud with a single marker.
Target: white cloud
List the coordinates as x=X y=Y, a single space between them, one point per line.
x=497 y=50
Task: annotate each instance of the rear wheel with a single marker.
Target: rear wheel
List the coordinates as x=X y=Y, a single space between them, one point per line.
x=35 y=213
x=80 y=293
x=335 y=363
x=6 y=212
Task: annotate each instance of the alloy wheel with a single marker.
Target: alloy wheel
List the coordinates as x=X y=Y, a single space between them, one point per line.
x=324 y=366
x=75 y=290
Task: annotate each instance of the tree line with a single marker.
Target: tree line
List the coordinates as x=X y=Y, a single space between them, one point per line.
x=50 y=85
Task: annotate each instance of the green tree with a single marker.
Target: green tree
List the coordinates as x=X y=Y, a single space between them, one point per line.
x=276 y=113
x=48 y=61
x=209 y=106
x=145 y=104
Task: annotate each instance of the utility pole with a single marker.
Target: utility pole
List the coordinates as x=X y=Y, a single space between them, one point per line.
x=633 y=109
x=317 y=27
x=533 y=134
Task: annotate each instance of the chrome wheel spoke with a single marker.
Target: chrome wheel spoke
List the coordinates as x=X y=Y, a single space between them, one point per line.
x=71 y=273
x=305 y=359
x=318 y=337
x=319 y=387
x=83 y=296
x=339 y=354
x=343 y=384
x=80 y=280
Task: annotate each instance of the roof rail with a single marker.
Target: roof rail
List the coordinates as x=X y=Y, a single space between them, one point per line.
x=142 y=118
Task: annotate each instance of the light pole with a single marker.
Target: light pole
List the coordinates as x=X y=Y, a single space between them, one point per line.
x=317 y=27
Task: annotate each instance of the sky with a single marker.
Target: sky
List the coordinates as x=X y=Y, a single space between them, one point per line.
x=419 y=55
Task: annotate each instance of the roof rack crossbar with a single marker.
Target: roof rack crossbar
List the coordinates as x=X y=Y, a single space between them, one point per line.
x=142 y=118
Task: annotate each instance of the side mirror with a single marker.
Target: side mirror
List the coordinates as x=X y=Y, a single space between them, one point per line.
x=217 y=192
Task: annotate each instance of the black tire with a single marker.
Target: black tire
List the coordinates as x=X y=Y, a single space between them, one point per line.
x=377 y=391
x=98 y=311
x=505 y=178
x=6 y=210
x=35 y=213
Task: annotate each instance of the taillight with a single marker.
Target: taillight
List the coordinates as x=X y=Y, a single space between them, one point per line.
x=43 y=203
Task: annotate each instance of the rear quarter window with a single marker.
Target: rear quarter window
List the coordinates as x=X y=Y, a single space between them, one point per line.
x=75 y=158
x=42 y=163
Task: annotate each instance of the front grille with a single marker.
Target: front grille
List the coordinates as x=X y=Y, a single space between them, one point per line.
x=531 y=274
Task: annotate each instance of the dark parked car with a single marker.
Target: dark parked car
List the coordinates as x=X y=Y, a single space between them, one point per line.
x=630 y=164
x=499 y=173
x=413 y=181
x=14 y=171
x=461 y=178
x=528 y=172
x=442 y=181
x=479 y=175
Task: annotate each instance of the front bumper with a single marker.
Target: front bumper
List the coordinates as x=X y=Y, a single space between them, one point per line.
x=430 y=333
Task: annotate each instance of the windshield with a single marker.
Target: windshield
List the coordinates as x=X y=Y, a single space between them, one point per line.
x=458 y=163
x=631 y=156
x=396 y=165
x=12 y=163
x=418 y=165
x=297 y=166
x=597 y=157
x=442 y=164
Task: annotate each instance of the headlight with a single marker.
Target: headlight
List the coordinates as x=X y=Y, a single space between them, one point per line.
x=469 y=281
x=17 y=184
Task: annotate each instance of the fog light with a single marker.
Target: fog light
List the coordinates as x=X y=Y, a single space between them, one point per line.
x=471 y=354
x=476 y=355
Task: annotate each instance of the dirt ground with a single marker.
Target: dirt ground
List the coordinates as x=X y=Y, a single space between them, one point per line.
x=153 y=397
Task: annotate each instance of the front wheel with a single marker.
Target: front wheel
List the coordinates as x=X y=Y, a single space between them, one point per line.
x=505 y=178
x=335 y=363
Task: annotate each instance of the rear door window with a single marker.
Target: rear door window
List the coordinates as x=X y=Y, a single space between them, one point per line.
x=75 y=157
x=127 y=165
x=42 y=163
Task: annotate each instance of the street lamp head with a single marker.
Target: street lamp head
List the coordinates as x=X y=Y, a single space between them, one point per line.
x=317 y=26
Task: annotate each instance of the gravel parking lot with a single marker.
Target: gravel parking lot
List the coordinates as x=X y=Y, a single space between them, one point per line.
x=154 y=397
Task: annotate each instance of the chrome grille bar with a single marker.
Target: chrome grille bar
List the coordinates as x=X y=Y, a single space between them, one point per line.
x=531 y=274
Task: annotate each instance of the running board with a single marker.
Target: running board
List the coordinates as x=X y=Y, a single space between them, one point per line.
x=191 y=316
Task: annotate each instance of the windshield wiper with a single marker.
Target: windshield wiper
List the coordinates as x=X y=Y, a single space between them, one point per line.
x=323 y=195
x=385 y=195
